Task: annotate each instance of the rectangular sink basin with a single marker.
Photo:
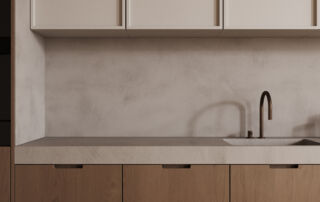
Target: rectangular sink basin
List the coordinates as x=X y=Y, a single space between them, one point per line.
x=270 y=142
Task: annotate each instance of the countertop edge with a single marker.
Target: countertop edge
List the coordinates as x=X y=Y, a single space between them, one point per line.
x=167 y=155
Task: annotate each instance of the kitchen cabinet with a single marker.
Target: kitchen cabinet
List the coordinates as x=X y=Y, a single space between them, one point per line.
x=4 y=174
x=77 y=14
x=270 y=14
x=174 y=14
x=72 y=183
x=175 y=183
x=281 y=183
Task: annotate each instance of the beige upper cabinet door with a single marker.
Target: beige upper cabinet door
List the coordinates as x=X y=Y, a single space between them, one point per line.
x=77 y=14
x=174 y=14
x=270 y=14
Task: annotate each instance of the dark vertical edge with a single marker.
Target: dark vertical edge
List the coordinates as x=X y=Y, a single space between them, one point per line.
x=122 y=185
x=222 y=14
x=12 y=190
x=315 y=12
x=218 y=13
x=229 y=183
x=121 y=12
x=125 y=14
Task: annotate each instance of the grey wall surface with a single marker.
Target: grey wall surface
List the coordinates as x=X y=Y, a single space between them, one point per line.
x=29 y=78
x=181 y=87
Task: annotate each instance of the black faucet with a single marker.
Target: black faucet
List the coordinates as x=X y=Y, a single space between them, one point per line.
x=265 y=94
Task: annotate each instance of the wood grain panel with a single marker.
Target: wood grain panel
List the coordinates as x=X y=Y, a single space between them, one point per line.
x=4 y=174
x=46 y=183
x=146 y=183
x=260 y=183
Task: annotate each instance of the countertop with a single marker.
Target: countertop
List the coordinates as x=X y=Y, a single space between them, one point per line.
x=96 y=150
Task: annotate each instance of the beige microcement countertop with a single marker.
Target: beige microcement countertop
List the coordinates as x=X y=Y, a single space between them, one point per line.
x=81 y=150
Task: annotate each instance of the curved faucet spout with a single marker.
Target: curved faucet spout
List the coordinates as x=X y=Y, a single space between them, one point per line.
x=265 y=94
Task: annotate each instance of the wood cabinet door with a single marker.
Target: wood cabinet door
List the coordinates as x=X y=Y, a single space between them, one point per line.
x=5 y=174
x=87 y=183
x=77 y=14
x=264 y=183
x=270 y=14
x=174 y=14
x=157 y=183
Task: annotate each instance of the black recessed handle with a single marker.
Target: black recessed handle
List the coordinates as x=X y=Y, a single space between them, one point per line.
x=68 y=166
x=285 y=166
x=176 y=166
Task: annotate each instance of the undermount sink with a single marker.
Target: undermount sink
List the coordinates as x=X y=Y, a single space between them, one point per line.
x=270 y=142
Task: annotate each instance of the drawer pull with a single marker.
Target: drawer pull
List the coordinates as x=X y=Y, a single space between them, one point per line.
x=176 y=166
x=60 y=166
x=292 y=166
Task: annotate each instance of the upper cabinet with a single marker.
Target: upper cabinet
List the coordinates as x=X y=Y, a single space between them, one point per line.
x=77 y=14
x=174 y=14
x=270 y=14
x=174 y=17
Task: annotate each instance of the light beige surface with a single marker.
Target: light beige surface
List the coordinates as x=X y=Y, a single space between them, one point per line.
x=159 y=151
x=174 y=14
x=77 y=14
x=270 y=14
x=29 y=78
x=124 y=141
x=191 y=18
x=181 y=87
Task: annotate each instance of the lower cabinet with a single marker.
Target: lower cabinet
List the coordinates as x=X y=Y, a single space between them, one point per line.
x=264 y=183
x=63 y=183
x=159 y=183
x=4 y=174
x=176 y=183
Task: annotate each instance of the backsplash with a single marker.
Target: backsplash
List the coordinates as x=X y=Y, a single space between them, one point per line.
x=181 y=87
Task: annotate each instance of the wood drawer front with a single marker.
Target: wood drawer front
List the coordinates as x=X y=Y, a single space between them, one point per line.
x=45 y=183
x=146 y=183
x=260 y=183
x=5 y=174
x=77 y=14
